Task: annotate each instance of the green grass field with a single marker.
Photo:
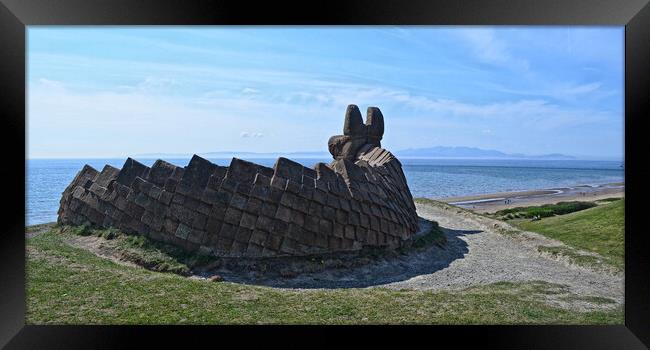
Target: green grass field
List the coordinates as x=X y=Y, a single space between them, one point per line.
x=69 y=285
x=600 y=230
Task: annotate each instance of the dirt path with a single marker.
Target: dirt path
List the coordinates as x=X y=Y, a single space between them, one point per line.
x=492 y=257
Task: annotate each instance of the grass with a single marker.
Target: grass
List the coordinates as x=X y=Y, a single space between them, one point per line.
x=69 y=285
x=609 y=199
x=434 y=236
x=152 y=255
x=578 y=258
x=599 y=230
x=543 y=211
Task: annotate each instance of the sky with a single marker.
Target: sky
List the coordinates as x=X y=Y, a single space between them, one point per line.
x=100 y=92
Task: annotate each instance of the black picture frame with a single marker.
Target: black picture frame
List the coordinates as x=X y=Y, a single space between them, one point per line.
x=15 y=15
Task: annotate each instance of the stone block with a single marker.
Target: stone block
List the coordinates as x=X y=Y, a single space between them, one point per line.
x=228 y=231
x=338 y=230
x=243 y=235
x=335 y=243
x=333 y=201
x=218 y=211
x=170 y=185
x=283 y=213
x=301 y=204
x=229 y=184
x=244 y=188
x=297 y=218
x=275 y=195
x=130 y=170
x=248 y=221
x=213 y=226
x=199 y=220
x=238 y=249
x=223 y=245
x=238 y=201
x=210 y=196
x=321 y=240
x=329 y=213
x=374 y=223
x=278 y=182
x=364 y=220
x=306 y=192
x=273 y=241
x=253 y=206
x=269 y=209
x=242 y=170
x=325 y=226
x=315 y=209
x=262 y=180
x=312 y=223
x=204 y=208
x=293 y=187
x=183 y=231
x=320 y=196
x=259 y=237
x=260 y=191
x=288 y=169
x=279 y=227
x=166 y=197
x=233 y=216
x=254 y=250
x=289 y=246
x=196 y=236
x=287 y=199
x=160 y=171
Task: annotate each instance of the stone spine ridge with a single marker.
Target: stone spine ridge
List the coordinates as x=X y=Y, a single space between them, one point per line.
x=359 y=199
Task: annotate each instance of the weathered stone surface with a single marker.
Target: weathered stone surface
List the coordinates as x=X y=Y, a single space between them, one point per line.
x=247 y=210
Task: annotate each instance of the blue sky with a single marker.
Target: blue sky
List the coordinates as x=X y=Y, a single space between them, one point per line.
x=123 y=91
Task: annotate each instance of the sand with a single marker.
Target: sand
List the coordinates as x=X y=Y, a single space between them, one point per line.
x=497 y=201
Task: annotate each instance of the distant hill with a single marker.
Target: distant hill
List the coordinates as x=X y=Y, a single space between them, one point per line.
x=471 y=152
x=430 y=152
x=231 y=154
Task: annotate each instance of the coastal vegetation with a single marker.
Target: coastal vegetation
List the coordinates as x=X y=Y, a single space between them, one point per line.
x=599 y=230
x=543 y=211
x=67 y=284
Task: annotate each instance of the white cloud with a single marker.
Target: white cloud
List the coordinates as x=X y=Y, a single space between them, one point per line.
x=246 y=134
x=489 y=48
x=249 y=91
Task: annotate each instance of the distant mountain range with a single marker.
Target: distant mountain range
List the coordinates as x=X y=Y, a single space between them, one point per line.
x=430 y=152
x=472 y=152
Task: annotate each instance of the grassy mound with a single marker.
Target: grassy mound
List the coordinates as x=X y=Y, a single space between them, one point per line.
x=600 y=230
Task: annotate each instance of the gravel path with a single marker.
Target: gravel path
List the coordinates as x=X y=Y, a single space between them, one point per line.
x=492 y=257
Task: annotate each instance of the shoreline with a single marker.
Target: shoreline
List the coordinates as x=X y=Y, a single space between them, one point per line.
x=491 y=202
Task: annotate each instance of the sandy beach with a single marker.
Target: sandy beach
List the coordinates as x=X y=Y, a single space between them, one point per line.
x=496 y=201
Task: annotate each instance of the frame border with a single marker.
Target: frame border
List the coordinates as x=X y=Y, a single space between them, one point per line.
x=15 y=15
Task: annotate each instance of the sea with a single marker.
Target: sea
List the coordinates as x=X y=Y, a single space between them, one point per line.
x=431 y=178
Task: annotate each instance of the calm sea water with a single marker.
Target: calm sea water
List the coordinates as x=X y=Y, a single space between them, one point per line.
x=432 y=178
